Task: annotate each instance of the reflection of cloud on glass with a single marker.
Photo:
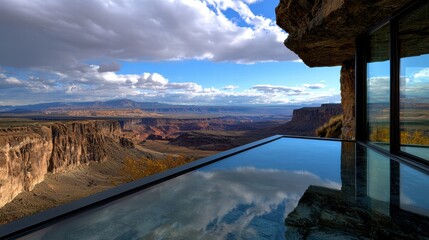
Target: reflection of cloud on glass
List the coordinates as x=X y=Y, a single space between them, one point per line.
x=416 y=85
x=237 y=203
x=378 y=89
x=406 y=200
x=414 y=190
x=379 y=82
x=424 y=73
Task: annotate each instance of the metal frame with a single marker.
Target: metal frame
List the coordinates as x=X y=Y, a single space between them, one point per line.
x=362 y=46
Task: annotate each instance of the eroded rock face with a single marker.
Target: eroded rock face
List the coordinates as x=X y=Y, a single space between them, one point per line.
x=28 y=153
x=306 y=120
x=347 y=80
x=323 y=32
x=319 y=115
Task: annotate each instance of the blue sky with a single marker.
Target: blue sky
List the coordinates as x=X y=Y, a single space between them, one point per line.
x=414 y=84
x=211 y=52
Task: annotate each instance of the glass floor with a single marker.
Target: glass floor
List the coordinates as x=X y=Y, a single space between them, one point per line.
x=289 y=188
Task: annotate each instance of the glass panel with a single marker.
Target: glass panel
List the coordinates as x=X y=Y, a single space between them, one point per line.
x=414 y=84
x=378 y=174
x=246 y=196
x=279 y=190
x=378 y=87
x=414 y=191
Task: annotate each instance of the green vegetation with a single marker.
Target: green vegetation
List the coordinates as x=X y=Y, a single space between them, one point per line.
x=134 y=169
x=331 y=129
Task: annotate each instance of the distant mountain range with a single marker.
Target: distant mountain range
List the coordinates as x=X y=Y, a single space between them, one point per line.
x=112 y=104
x=155 y=107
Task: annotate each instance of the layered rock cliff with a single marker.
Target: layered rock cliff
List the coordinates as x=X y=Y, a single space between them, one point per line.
x=29 y=152
x=306 y=120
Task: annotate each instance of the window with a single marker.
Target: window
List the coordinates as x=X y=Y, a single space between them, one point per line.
x=395 y=84
x=413 y=38
x=378 y=87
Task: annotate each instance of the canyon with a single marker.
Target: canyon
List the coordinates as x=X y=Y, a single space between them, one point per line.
x=50 y=160
x=171 y=128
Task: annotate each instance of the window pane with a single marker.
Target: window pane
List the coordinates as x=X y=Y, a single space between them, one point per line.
x=378 y=180
x=414 y=82
x=378 y=87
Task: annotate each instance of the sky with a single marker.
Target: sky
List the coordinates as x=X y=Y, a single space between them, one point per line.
x=414 y=80
x=206 y=52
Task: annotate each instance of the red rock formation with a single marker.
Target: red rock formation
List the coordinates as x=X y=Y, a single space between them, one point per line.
x=28 y=153
x=306 y=120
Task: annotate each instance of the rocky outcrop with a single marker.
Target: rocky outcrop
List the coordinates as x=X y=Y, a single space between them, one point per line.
x=347 y=81
x=306 y=120
x=318 y=115
x=126 y=143
x=323 y=32
x=29 y=152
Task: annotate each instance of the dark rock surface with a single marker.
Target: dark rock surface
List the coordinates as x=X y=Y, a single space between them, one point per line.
x=205 y=141
x=324 y=213
x=126 y=143
x=323 y=32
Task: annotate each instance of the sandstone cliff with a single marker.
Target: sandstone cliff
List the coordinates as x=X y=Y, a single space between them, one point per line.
x=29 y=152
x=306 y=120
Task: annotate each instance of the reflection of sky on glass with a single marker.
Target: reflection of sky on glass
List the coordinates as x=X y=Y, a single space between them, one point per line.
x=246 y=196
x=415 y=78
x=378 y=82
x=314 y=156
x=414 y=187
x=378 y=176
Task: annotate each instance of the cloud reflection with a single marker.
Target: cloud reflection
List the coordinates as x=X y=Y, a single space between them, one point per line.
x=235 y=203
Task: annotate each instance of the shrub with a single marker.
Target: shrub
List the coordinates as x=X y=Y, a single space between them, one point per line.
x=134 y=169
x=413 y=137
x=331 y=129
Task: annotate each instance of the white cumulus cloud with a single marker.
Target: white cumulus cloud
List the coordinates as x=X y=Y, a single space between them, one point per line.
x=62 y=34
x=230 y=87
